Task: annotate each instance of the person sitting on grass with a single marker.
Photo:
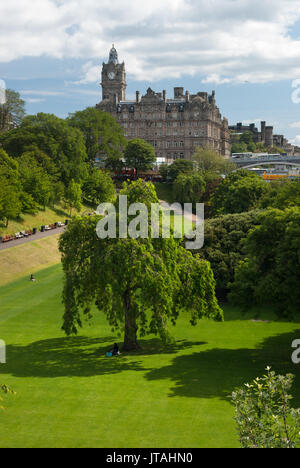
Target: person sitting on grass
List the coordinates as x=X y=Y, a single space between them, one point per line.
x=115 y=351
x=32 y=278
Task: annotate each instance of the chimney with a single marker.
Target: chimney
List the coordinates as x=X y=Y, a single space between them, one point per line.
x=164 y=95
x=137 y=96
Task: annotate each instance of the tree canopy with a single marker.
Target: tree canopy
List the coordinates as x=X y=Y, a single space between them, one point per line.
x=139 y=155
x=63 y=144
x=188 y=188
x=98 y=188
x=207 y=160
x=139 y=283
x=269 y=275
x=239 y=191
x=102 y=135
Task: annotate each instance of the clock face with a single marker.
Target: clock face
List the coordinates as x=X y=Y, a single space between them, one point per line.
x=111 y=75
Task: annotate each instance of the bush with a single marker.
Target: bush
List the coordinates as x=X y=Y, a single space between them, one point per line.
x=224 y=244
x=263 y=413
x=269 y=275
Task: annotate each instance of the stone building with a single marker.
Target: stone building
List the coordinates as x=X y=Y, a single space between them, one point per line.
x=174 y=126
x=265 y=135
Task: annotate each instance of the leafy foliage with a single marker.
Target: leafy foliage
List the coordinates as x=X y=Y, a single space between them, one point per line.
x=282 y=195
x=207 y=160
x=270 y=272
x=98 y=188
x=139 y=155
x=263 y=413
x=179 y=166
x=138 y=283
x=63 y=144
x=224 y=245
x=73 y=196
x=239 y=191
x=102 y=135
x=189 y=188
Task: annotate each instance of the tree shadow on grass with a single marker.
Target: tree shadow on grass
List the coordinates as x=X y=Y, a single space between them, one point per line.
x=207 y=374
x=80 y=357
x=217 y=372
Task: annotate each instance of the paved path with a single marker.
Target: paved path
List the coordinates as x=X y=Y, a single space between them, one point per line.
x=37 y=236
x=41 y=235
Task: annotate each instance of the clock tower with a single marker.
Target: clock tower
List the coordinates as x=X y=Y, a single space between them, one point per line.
x=113 y=78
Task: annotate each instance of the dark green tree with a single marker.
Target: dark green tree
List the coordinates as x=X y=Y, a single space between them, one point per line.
x=10 y=205
x=189 y=188
x=240 y=191
x=180 y=166
x=139 y=155
x=35 y=180
x=269 y=275
x=282 y=195
x=140 y=284
x=103 y=136
x=63 y=144
x=98 y=188
x=224 y=245
x=73 y=196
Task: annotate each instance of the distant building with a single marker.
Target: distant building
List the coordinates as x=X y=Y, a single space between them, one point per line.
x=174 y=126
x=265 y=136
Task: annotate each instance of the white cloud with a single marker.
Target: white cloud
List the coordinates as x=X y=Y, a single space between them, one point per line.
x=40 y=93
x=296 y=140
x=34 y=100
x=295 y=125
x=221 y=40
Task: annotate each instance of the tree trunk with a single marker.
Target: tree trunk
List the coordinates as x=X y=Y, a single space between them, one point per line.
x=130 y=338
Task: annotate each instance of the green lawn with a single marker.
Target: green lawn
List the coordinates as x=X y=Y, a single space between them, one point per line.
x=70 y=395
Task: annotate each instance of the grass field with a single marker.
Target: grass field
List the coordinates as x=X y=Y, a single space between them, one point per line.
x=70 y=395
x=24 y=259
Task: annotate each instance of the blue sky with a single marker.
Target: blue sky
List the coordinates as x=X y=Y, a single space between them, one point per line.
x=51 y=51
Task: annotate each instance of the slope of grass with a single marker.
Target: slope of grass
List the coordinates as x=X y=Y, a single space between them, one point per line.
x=28 y=258
x=29 y=221
x=70 y=395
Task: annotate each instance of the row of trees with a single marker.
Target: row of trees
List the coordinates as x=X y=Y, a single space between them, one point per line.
x=46 y=160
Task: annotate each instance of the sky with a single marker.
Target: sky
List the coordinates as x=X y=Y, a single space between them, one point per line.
x=248 y=51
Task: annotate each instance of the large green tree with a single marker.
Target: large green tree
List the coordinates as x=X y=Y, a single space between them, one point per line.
x=239 y=191
x=139 y=155
x=35 y=180
x=63 y=144
x=140 y=284
x=269 y=275
x=224 y=245
x=10 y=205
x=207 y=160
x=103 y=136
x=189 y=188
x=179 y=166
x=73 y=196
x=282 y=195
x=98 y=188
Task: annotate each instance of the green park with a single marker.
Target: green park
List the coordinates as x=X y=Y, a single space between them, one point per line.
x=205 y=338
